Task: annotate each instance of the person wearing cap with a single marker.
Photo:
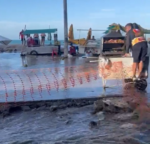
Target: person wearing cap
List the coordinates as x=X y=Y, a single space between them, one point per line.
x=137 y=43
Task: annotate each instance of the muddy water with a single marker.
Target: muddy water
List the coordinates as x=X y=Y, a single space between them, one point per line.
x=70 y=126
x=62 y=127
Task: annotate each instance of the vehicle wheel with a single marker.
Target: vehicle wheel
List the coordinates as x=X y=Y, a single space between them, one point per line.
x=33 y=53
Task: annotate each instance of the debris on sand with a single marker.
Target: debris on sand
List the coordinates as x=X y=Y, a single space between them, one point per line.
x=128 y=126
x=131 y=140
x=125 y=117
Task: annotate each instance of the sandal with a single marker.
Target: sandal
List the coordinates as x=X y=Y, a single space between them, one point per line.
x=134 y=78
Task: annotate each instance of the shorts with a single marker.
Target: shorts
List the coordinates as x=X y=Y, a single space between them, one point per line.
x=139 y=52
x=22 y=39
x=43 y=38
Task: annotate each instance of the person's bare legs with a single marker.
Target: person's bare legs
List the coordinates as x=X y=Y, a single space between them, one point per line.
x=24 y=42
x=140 y=68
x=134 y=68
x=42 y=43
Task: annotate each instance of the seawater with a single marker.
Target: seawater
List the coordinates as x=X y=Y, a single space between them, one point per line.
x=46 y=42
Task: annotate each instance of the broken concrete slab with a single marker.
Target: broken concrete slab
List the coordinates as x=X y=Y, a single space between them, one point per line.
x=116 y=105
x=113 y=105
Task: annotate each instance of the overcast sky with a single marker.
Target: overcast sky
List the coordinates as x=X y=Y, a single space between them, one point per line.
x=83 y=14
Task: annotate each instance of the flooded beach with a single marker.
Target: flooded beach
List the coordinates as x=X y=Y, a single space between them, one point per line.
x=75 y=124
x=74 y=75
x=68 y=126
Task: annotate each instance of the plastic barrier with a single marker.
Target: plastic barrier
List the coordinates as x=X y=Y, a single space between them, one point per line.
x=33 y=84
x=17 y=85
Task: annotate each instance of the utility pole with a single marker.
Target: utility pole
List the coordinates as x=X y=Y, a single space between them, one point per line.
x=65 y=29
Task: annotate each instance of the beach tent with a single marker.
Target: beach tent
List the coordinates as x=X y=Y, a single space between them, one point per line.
x=39 y=31
x=4 y=40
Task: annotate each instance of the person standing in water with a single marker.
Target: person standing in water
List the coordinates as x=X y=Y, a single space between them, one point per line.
x=137 y=43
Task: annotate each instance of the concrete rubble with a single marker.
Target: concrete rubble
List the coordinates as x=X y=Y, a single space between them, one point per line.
x=52 y=106
x=113 y=105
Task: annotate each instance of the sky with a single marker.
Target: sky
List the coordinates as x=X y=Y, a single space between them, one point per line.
x=83 y=14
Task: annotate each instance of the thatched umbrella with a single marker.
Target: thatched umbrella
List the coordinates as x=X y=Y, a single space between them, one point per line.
x=70 y=35
x=89 y=34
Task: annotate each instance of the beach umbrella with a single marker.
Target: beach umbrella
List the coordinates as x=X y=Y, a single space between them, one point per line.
x=70 y=35
x=4 y=40
x=89 y=34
